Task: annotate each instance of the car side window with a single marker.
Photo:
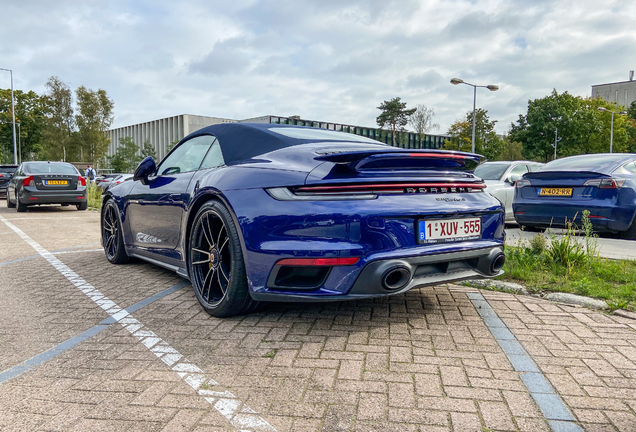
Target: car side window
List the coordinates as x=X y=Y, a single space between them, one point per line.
x=214 y=158
x=187 y=157
x=516 y=173
x=631 y=167
x=533 y=168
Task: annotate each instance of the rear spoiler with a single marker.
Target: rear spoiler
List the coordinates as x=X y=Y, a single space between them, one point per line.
x=357 y=160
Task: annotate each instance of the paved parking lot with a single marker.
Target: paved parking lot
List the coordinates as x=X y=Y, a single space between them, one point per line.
x=91 y=346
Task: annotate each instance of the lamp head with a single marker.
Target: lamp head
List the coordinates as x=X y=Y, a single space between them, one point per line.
x=602 y=109
x=492 y=87
x=623 y=112
x=456 y=81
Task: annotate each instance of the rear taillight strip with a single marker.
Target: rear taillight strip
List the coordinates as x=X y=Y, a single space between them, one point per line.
x=389 y=187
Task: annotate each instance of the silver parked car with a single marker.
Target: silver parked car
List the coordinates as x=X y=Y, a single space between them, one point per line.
x=500 y=178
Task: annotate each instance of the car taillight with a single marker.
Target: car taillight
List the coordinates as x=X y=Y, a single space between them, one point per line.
x=82 y=180
x=29 y=181
x=606 y=183
x=521 y=183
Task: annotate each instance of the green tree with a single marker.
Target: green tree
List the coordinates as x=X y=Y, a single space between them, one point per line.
x=30 y=109
x=422 y=120
x=148 y=150
x=394 y=114
x=59 y=119
x=95 y=115
x=126 y=158
x=511 y=150
x=582 y=129
x=487 y=143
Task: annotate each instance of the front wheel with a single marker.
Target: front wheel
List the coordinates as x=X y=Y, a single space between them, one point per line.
x=215 y=263
x=112 y=237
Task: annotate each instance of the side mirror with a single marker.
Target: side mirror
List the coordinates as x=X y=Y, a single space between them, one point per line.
x=513 y=179
x=147 y=167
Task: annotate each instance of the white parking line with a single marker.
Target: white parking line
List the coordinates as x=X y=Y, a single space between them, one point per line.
x=233 y=409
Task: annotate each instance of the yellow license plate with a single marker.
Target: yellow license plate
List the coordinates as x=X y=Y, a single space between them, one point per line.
x=556 y=192
x=57 y=182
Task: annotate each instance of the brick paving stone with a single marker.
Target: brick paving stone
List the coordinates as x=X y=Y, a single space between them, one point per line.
x=422 y=361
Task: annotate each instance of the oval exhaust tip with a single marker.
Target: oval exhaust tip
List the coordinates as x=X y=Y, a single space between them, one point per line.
x=497 y=263
x=396 y=278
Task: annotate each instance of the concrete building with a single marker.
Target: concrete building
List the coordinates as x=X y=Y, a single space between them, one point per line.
x=161 y=133
x=622 y=93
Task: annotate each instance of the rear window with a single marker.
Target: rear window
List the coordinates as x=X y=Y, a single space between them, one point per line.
x=491 y=171
x=51 y=168
x=592 y=162
x=320 y=135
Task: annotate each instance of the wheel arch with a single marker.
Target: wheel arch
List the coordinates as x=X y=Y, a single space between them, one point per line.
x=204 y=197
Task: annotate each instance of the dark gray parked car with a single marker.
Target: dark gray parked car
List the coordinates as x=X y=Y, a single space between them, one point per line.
x=36 y=183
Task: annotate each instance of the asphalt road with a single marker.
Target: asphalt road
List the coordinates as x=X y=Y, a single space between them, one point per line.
x=608 y=247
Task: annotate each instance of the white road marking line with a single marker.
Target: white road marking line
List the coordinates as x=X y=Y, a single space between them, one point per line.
x=232 y=408
x=78 y=251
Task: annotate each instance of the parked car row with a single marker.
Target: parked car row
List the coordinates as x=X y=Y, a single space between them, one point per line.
x=539 y=196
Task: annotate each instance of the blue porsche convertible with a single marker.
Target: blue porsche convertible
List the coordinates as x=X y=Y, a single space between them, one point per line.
x=264 y=212
x=557 y=194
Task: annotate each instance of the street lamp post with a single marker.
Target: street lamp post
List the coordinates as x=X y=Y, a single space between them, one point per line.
x=612 y=124
x=19 y=141
x=15 y=152
x=490 y=87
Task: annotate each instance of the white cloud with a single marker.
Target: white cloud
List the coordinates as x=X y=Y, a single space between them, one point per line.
x=329 y=60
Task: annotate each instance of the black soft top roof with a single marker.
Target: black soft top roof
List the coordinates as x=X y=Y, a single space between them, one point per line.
x=242 y=141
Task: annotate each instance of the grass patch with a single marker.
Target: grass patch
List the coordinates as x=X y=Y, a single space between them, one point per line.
x=571 y=264
x=94 y=197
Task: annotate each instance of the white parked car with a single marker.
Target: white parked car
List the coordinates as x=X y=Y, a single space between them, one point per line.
x=500 y=178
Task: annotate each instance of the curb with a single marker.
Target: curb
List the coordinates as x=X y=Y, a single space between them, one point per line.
x=565 y=298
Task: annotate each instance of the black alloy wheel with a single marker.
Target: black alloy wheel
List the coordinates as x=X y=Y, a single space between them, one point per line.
x=112 y=238
x=215 y=263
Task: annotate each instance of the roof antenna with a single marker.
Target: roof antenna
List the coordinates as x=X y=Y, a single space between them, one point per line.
x=631 y=75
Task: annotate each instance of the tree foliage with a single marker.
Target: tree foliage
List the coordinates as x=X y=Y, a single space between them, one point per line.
x=148 y=150
x=581 y=127
x=30 y=110
x=511 y=150
x=422 y=120
x=394 y=114
x=94 y=117
x=487 y=143
x=60 y=121
x=126 y=158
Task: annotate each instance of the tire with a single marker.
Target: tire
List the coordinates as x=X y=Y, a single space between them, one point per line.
x=215 y=263
x=630 y=234
x=82 y=206
x=112 y=237
x=21 y=207
x=9 y=203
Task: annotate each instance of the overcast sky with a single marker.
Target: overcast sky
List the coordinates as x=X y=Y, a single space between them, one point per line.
x=328 y=60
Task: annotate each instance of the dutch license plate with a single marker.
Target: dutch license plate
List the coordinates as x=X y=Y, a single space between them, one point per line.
x=555 y=192
x=448 y=230
x=56 y=182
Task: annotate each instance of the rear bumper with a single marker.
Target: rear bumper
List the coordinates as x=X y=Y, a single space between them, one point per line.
x=424 y=270
x=3 y=191
x=545 y=215
x=34 y=196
